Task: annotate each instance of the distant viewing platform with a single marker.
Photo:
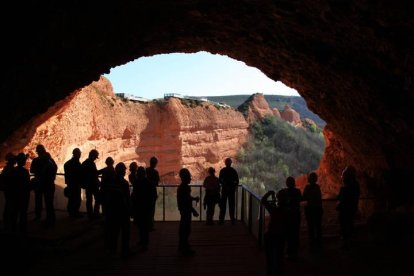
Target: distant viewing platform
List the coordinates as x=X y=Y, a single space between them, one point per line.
x=201 y=99
x=132 y=97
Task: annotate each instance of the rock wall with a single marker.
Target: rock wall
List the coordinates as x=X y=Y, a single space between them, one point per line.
x=94 y=118
x=256 y=108
x=290 y=115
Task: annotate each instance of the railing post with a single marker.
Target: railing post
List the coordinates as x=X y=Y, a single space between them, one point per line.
x=242 y=205
x=237 y=201
x=163 y=203
x=250 y=212
x=199 y=202
x=261 y=220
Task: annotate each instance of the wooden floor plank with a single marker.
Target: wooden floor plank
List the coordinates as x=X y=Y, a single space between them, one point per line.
x=220 y=250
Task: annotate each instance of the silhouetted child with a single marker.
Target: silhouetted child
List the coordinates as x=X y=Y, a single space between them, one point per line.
x=276 y=234
x=313 y=212
x=185 y=206
x=294 y=198
x=143 y=196
x=212 y=194
x=347 y=205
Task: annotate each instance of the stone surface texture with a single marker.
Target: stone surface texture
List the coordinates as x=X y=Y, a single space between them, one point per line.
x=351 y=61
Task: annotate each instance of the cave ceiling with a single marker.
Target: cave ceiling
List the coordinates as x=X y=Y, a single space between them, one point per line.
x=351 y=61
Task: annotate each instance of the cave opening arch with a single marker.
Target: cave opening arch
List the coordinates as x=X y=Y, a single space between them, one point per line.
x=344 y=67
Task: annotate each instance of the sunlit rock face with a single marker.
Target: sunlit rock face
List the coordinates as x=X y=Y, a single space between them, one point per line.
x=255 y=108
x=290 y=115
x=351 y=61
x=94 y=118
x=276 y=112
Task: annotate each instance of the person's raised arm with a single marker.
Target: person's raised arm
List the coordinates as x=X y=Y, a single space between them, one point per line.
x=265 y=198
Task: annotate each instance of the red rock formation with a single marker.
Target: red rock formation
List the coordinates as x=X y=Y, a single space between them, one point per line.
x=276 y=112
x=179 y=135
x=255 y=108
x=290 y=115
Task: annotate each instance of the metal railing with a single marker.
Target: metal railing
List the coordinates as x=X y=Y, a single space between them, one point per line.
x=249 y=209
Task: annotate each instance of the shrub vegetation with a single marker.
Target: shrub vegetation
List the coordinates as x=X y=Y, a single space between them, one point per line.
x=274 y=150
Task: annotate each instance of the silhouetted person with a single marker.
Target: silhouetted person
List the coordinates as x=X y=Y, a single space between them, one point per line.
x=108 y=177
x=154 y=178
x=132 y=176
x=229 y=180
x=276 y=234
x=73 y=179
x=35 y=169
x=212 y=194
x=7 y=187
x=313 y=212
x=185 y=206
x=21 y=193
x=294 y=198
x=143 y=196
x=117 y=212
x=44 y=169
x=133 y=167
x=347 y=206
x=91 y=184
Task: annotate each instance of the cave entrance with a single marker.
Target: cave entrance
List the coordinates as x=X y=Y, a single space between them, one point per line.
x=127 y=115
x=294 y=149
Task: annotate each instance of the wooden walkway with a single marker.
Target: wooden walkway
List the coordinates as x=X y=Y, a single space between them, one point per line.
x=220 y=250
x=75 y=247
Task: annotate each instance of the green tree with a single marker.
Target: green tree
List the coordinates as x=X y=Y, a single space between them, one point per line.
x=275 y=150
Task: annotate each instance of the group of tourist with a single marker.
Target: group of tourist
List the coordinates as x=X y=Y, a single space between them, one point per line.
x=17 y=185
x=107 y=189
x=108 y=193
x=282 y=234
x=218 y=190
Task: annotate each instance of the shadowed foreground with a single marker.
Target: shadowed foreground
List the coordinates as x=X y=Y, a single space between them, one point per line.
x=75 y=247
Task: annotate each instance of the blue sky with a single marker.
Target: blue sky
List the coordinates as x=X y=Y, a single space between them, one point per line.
x=198 y=74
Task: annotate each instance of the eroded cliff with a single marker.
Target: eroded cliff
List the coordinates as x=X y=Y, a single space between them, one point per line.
x=94 y=118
